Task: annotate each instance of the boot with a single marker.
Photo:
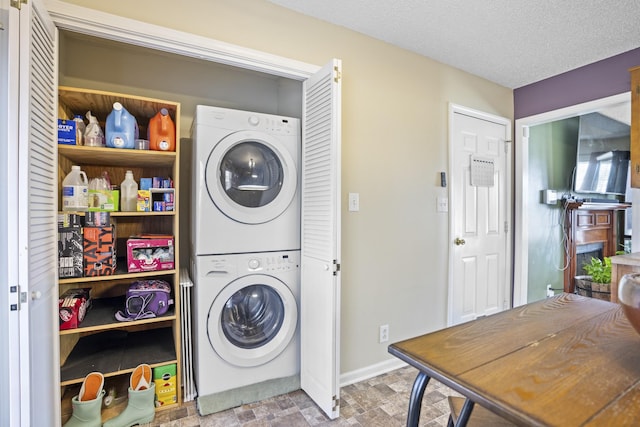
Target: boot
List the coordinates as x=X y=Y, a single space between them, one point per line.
x=88 y=403
x=140 y=407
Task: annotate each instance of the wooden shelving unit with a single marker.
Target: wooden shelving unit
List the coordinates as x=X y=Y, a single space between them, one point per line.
x=102 y=343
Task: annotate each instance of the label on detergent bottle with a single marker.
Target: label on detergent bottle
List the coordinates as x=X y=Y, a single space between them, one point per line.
x=74 y=197
x=164 y=145
x=118 y=142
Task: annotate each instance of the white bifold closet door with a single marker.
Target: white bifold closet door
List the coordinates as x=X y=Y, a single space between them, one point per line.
x=320 y=257
x=32 y=216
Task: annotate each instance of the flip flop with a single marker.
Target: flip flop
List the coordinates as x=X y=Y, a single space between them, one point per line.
x=141 y=377
x=91 y=387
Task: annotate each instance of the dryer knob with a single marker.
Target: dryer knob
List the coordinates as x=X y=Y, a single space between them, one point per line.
x=254 y=120
x=254 y=263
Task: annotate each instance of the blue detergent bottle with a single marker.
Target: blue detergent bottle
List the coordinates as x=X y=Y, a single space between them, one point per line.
x=121 y=128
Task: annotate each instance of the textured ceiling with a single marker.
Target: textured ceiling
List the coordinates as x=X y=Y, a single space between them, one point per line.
x=510 y=42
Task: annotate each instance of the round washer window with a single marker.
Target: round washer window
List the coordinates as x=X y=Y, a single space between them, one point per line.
x=252 y=316
x=251 y=174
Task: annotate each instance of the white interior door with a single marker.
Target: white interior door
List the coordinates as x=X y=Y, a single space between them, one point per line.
x=37 y=209
x=320 y=254
x=480 y=260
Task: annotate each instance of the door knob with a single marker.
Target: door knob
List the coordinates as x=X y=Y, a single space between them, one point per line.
x=459 y=241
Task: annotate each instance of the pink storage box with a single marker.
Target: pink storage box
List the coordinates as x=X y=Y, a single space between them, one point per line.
x=150 y=254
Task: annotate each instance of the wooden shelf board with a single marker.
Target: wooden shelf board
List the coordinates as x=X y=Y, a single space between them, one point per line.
x=117 y=352
x=101 y=316
x=118 y=275
x=85 y=155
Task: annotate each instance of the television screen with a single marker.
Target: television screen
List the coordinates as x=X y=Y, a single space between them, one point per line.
x=602 y=161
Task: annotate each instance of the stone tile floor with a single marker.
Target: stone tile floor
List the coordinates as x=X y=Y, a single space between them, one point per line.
x=380 y=401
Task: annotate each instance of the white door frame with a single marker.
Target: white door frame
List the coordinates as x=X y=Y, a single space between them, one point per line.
x=83 y=20
x=458 y=109
x=521 y=268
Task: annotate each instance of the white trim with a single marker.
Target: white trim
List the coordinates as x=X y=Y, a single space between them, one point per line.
x=453 y=109
x=83 y=20
x=521 y=270
x=371 y=371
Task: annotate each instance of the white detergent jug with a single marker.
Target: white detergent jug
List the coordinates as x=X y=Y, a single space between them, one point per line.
x=75 y=190
x=128 y=193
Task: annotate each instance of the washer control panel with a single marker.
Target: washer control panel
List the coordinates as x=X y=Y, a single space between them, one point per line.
x=272 y=263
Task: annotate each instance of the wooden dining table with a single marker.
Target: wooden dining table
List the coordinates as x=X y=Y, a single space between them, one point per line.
x=563 y=361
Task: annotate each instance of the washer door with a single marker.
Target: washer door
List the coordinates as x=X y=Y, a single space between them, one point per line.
x=252 y=320
x=250 y=177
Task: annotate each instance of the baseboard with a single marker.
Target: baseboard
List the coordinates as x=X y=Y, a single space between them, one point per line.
x=371 y=371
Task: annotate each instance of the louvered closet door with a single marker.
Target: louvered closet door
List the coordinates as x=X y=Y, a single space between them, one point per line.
x=320 y=278
x=38 y=170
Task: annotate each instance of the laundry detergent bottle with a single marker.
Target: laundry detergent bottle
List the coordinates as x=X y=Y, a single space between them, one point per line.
x=162 y=132
x=121 y=128
x=75 y=190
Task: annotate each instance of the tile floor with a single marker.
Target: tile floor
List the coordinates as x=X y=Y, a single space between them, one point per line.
x=380 y=401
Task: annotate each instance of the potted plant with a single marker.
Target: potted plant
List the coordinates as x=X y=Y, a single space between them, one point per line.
x=598 y=281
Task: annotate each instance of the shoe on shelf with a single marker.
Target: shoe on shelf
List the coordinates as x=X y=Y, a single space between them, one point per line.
x=140 y=406
x=88 y=403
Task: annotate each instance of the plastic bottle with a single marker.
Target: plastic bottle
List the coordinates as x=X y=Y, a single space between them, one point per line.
x=121 y=128
x=75 y=190
x=80 y=128
x=93 y=135
x=162 y=132
x=128 y=193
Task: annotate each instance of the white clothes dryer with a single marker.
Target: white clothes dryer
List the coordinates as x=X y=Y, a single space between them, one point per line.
x=245 y=187
x=246 y=333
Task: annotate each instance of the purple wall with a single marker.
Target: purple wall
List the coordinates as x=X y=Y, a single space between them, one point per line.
x=594 y=81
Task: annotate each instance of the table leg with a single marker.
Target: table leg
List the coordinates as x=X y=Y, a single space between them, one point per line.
x=415 y=401
x=465 y=413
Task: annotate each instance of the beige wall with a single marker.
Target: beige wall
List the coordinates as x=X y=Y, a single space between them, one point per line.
x=394 y=139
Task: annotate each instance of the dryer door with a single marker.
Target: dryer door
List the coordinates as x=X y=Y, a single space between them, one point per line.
x=252 y=320
x=250 y=177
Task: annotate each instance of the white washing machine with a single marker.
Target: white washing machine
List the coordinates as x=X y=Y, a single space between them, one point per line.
x=245 y=188
x=246 y=333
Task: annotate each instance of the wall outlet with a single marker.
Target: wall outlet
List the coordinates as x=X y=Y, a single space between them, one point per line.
x=384 y=333
x=550 y=291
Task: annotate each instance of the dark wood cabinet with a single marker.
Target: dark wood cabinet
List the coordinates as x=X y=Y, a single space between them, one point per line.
x=635 y=127
x=590 y=229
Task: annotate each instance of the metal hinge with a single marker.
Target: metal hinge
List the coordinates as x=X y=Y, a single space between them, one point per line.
x=336 y=267
x=17 y=3
x=506 y=146
x=15 y=290
x=336 y=403
x=337 y=75
x=506 y=226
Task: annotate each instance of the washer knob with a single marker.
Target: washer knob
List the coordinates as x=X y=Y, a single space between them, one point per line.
x=254 y=263
x=254 y=120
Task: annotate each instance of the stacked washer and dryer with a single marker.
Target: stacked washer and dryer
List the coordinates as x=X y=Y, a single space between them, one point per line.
x=245 y=237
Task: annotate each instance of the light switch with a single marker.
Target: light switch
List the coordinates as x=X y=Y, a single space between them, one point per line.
x=442 y=204
x=354 y=202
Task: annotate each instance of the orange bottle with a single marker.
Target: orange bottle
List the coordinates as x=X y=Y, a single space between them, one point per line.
x=162 y=132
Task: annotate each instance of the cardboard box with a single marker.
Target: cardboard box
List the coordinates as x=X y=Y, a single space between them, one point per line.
x=70 y=252
x=150 y=254
x=99 y=251
x=164 y=378
x=104 y=200
x=66 y=132
x=73 y=306
x=144 y=201
x=162 y=199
